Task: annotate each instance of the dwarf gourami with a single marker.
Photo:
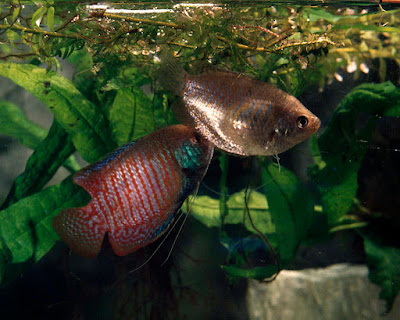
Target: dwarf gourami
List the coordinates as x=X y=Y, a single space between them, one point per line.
x=236 y=113
x=136 y=191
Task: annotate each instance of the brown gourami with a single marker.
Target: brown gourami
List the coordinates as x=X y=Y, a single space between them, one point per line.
x=236 y=113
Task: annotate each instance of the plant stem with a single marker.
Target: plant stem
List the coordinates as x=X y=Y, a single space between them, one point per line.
x=146 y=21
x=39 y=31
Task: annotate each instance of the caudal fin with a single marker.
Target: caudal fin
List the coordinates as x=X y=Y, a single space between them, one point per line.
x=83 y=232
x=171 y=74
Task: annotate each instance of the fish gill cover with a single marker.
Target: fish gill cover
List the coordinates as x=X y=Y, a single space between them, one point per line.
x=114 y=97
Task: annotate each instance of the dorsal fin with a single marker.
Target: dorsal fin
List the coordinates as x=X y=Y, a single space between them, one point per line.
x=171 y=74
x=203 y=67
x=89 y=176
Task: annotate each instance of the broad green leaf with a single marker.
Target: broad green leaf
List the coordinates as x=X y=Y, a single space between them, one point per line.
x=383 y=262
x=129 y=77
x=50 y=18
x=368 y=27
x=131 y=115
x=249 y=256
x=49 y=155
x=12 y=35
x=207 y=211
x=38 y=14
x=285 y=218
x=14 y=123
x=90 y=80
x=313 y=144
x=5 y=48
x=78 y=116
x=342 y=145
x=204 y=209
x=236 y=211
x=84 y=79
x=315 y=14
x=338 y=186
x=291 y=207
x=5 y=258
x=26 y=228
x=258 y=273
x=359 y=22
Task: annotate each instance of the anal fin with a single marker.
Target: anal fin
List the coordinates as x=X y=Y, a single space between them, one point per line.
x=128 y=239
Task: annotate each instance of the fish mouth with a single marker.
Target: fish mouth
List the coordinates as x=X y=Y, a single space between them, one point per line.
x=315 y=124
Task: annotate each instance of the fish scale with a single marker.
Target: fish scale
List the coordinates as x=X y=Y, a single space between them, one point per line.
x=136 y=191
x=236 y=113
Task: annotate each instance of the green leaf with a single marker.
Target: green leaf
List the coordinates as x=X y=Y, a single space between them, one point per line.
x=313 y=144
x=337 y=184
x=291 y=207
x=366 y=27
x=384 y=267
x=5 y=48
x=131 y=115
x=15 y=13
x=50 y=154
x=342 y=145
x=286 y=217
x=359 y=22
x=26 y=228
x=129 y=77
x=258 y=273
x=12 y=35
x=84 y=79
x=207 y=211
x=5 y=259
x=315 y=14
x=78 y=116
x=14 y=123
x=50 y=18
x=38 y=14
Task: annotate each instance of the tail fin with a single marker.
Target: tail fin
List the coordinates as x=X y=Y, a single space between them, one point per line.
x=83 y=232
x=171 y=74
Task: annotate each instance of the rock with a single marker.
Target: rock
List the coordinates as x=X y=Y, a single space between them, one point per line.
x=338 y=292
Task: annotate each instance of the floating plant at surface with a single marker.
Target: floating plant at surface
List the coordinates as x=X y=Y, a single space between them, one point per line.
x=285 y=45
x=106 y=105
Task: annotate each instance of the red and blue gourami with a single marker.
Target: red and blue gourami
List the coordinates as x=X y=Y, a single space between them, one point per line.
x=136 y=191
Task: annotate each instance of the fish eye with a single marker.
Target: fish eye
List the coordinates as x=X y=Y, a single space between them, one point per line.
x=196 y=139
x=302 y=122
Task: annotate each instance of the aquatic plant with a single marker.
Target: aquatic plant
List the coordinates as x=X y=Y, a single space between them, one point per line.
x=294 y=47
